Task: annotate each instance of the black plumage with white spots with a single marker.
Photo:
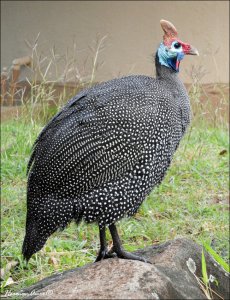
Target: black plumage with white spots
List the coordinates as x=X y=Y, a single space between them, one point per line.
x=103 y=153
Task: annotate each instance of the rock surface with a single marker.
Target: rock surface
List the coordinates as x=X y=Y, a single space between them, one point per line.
x=168 y=277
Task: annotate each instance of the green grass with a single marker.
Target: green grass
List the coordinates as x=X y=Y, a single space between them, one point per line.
x=190 y=202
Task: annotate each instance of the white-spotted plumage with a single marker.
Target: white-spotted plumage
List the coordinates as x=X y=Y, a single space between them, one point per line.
x=102 y=154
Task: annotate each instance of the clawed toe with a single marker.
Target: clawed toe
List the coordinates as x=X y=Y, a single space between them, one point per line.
x=126 y=255
x=104 y=254
x=116 y=250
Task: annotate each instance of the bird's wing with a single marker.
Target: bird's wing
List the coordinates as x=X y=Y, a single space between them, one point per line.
x=49 y=128
x=94 y=141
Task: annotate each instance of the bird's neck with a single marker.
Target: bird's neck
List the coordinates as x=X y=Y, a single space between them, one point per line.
x=163 y=71
x=170 y=76
x=172 y=81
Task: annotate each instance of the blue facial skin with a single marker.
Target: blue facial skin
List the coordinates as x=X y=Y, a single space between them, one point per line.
x=169 y=58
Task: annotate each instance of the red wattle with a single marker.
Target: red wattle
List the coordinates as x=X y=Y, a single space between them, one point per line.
x=177 y=64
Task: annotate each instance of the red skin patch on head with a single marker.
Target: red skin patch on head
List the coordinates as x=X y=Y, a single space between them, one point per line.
x=186 y=47
x=177 y=64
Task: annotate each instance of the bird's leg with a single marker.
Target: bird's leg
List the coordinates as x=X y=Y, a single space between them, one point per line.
x=118 y=249
x=103 y=252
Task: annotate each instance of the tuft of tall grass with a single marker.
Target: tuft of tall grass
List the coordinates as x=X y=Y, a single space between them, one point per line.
x=46 y=96
x=210 y=102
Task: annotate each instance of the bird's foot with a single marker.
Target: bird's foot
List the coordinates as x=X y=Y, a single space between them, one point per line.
x=104 y=253
x=121 y=253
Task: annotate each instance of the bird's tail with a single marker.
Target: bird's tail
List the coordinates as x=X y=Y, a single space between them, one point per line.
x=33 y=242
x=50 y=217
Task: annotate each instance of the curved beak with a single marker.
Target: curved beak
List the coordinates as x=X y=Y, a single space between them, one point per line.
x=192 y=51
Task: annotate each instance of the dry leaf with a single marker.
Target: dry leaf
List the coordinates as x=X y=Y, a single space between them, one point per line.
x=7 y=268
x=224 y=151
x=53 y=261
x=9 y=281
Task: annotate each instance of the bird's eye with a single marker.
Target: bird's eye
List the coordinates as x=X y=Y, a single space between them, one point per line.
x=177 y=45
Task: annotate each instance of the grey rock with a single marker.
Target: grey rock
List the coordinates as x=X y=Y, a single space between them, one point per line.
x=167 y=277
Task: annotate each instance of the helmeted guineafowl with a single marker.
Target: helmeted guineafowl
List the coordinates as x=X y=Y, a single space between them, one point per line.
x=103 y=153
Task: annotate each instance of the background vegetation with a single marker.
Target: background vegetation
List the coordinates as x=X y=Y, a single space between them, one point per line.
x=192 y=201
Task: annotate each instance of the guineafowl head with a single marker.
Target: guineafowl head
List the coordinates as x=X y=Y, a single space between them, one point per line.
x=172 y=50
